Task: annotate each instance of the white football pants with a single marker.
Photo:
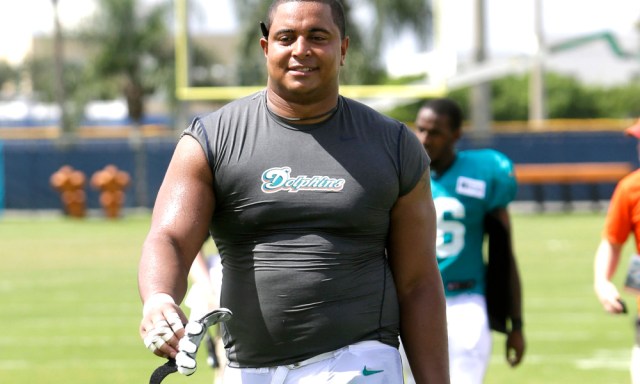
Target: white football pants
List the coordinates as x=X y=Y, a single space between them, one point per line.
x=367 y=362
x=469 y=340
x=635 y=365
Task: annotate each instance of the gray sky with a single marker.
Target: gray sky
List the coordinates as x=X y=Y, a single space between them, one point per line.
x=510 y=22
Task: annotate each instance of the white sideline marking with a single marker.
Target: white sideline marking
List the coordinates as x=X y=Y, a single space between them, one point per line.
x=606 y=358
x=610 y=359
x=14 y=364
x=588 y=364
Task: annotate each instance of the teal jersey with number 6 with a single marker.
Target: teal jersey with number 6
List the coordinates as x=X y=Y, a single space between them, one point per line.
x=477 y=182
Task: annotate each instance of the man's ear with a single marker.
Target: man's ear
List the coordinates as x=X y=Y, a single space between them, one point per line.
x=457 y=134
x=265 y=45
x=343 y=49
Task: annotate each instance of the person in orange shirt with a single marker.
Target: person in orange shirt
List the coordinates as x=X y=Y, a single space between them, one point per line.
x=623 y=218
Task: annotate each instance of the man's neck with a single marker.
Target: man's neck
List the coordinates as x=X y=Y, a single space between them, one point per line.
x=444 y=164
x=301 y=112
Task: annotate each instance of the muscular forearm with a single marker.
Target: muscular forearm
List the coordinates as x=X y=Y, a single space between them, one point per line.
x=424 y=332
x=179 y=224
x=162 y=270
x=411 y=252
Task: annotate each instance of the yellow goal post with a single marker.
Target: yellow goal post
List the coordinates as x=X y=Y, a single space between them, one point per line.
x=186 y=92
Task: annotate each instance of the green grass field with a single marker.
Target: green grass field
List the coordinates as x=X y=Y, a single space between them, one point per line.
x=70 y=308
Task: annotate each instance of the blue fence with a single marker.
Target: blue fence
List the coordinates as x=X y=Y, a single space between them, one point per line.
x=28 y=165
x=563 y=147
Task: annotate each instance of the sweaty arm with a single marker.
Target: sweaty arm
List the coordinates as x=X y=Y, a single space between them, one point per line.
x=179 y=225
x=411 y=249
x=604 y=267
x=515 y=337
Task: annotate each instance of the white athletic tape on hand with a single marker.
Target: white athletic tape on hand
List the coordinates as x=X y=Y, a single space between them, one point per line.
x=158 y=342
x=160 y=324
x=153 y=342
x=155 y=300
x=149 y=342
x=174 y=321
x=163 y=331
x=166 y=336
x=158 y=336
x=185 y=362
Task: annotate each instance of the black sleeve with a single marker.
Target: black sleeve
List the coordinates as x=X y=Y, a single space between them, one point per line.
x=498 y=273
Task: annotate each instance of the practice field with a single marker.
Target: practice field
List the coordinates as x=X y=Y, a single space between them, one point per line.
x=70 y=309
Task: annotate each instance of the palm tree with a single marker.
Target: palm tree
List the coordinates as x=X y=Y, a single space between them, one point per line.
x=366 y=42
x=135 y=51
x=132 y=49
x=9 y=74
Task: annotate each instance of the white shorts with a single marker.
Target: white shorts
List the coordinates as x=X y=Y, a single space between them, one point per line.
x=635 y=365
x=367 y=362
x=469 y=340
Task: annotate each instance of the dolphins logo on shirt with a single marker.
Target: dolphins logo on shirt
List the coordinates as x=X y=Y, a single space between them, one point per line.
x=278 y=179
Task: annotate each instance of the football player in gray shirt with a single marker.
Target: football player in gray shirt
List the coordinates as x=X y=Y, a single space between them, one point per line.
x=322 y=213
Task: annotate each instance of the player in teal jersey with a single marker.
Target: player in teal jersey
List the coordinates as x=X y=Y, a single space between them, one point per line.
x=470 y=189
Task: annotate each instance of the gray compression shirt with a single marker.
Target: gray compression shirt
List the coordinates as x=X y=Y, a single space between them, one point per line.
x=301 y=221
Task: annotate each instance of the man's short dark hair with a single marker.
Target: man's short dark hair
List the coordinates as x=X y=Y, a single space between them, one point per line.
x=447 y=107
x=337 y=12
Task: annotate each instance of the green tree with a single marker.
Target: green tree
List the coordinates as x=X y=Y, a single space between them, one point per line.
x=366 y=41
x=9 y=74
x=76 y=83
x=44 y=85
x=567 y=98
x=132 y=49
x=620 y=101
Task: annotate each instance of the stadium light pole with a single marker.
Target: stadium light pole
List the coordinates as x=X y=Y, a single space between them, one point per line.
x=481 y=92
x=58 y=64
x=182 y=57
x=537 y=110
